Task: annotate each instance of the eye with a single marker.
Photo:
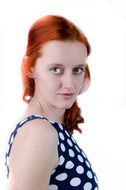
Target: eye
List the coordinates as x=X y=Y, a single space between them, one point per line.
x=78 y=71
x=55 y=70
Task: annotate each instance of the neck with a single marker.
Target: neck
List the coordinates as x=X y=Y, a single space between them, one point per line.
x=54 y=114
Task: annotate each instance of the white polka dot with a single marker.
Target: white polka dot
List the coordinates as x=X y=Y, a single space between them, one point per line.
x=73 y=139
x=62 y=159
x=77 y=148
x=69 y=142
x=61 y=136
x=67 y=133
x=23 y=121
x=87 y=163
x=80 y=158
x=53 y=187
x=69 y=165
x=89 y=174
x=71 y=153
x=62 y=147
x=51 y=121
x=61 y=127
x=53 y=171
x=95 y=188
x=84 y=154
x=12 y=139
x=96 y=180
x=87 y=186
x=75 y=181
x=61 y=177
x=8 y=148
x=80 y=169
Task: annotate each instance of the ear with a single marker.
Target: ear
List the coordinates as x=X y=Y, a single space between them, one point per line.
x=27 y=69
x=87 y=80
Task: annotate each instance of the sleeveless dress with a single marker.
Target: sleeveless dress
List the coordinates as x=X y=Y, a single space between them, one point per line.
x=74 y=171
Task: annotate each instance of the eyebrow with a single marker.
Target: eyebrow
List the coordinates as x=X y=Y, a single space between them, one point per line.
x=61 y=65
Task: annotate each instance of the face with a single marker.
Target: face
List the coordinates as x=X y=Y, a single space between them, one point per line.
x=59 y=73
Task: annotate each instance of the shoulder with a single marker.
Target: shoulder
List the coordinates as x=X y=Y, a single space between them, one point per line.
x=35 y=135
x=37 y=128
x=34 y=155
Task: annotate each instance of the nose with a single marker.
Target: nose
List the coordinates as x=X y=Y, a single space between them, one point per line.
x=68 y=82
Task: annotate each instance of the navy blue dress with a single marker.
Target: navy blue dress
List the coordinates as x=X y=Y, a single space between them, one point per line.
x=74 y=171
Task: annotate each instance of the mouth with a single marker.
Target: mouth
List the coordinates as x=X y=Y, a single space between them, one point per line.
x=67 y=95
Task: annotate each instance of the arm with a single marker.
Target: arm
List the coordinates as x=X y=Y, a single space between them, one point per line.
x=33 y=156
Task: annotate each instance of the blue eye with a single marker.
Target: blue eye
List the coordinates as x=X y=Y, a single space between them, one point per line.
x=78 y=71
x=55 y=70
x=58 y=71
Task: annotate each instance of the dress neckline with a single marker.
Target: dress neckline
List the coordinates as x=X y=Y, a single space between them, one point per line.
x=42 y=116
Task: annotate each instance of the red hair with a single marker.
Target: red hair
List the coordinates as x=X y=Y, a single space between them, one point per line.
x=53 y=27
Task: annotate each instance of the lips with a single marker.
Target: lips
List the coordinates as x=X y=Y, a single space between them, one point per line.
x=67 y=94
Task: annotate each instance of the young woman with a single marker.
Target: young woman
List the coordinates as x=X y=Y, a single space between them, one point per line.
x=42 y=154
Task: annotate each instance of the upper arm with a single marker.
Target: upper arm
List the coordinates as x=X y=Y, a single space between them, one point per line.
x=33 y=156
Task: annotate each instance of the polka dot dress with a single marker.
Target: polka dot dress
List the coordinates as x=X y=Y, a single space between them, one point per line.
x=74 y=170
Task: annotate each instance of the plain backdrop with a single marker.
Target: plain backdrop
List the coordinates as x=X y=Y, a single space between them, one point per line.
x=103 y=105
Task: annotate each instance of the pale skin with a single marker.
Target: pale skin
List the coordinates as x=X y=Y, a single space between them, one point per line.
x=34 y=153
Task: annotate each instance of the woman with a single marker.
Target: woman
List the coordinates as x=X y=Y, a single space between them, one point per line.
x=44 y=154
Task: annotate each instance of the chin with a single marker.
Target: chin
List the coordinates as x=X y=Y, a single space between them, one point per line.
x=68 y=106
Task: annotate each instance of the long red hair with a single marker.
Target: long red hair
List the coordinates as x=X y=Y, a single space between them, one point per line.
x=53 y=27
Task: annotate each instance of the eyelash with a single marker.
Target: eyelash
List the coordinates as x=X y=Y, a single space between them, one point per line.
x=55 y=68
x=82 y=70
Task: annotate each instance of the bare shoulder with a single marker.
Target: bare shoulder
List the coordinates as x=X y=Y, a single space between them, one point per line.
x=38 y=129
x=37 y=132
x=38 y=124
x=34 y=154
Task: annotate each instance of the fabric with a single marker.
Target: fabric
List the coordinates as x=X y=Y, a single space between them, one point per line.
x=74 y=171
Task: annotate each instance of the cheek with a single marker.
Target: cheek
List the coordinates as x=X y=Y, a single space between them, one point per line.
x=51 y=84
x=79 y=82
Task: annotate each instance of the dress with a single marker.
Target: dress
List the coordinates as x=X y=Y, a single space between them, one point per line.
x=74 y=171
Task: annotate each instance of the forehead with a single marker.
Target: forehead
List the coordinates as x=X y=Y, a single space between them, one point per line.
x=63 y=52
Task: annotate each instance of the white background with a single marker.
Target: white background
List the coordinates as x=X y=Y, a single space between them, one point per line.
x=103 y=105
